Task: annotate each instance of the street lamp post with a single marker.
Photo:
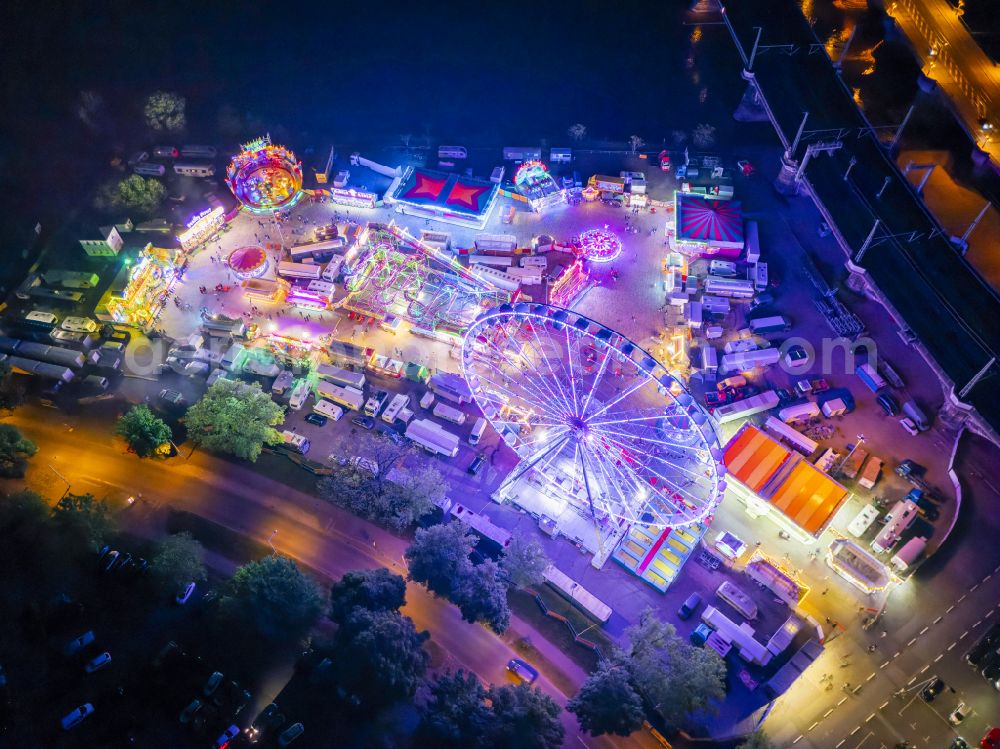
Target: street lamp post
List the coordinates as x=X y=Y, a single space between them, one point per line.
x=68 y=485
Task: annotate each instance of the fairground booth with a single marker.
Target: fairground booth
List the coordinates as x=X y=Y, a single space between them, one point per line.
x=139 y=292
x=533 y=181
x=707 y=226
x=440 y=196
x=773 y=480
x=201 y=227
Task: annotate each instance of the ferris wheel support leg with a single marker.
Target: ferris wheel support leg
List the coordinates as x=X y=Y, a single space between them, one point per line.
x=500 y=495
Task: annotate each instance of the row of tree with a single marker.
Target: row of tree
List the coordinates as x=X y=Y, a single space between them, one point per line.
x=703 y=136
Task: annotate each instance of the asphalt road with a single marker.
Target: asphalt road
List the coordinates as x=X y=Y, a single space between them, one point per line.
x=325 y=538
x=930 y=623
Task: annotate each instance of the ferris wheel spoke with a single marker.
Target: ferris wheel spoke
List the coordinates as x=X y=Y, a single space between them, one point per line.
x=539 y=382
x=540 y=351
x=621 y=396
x=625 y=486
x=597 y=381
x=697 y=475
x=526 y=383
x=572 y=378
x=520 y=394
x=653 y=440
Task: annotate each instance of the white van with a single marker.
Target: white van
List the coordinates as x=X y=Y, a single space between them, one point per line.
x=41 y=319
x=477 y=430
x=295 y=442
x=863 y=521
x=427 y=400
x=79 y=325
x=300 y=392
x=722 y=268
x=328 y=408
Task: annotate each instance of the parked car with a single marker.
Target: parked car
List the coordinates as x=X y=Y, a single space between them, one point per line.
x=687 y=609
x=991 y=740
x=173 y=397
x=365 y=422
x=75 y=646
x=188 y=713
x=290 y=734
x=185 y=595
x=888 y=404
x=960 y=713
x=522 y=670
x=226 y=736
x=75 y=718
x=109 y=560
x=99 y=662
x=933 y=689
x=909 y=425
x=988 y=642
x=316 y=419
x=477 y=464
x=212 y=684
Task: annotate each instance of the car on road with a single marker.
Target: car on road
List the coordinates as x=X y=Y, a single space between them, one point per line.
x=99 y=662
x=888 y=404
x=290 y=734
x=522 y=670
x=960 y=713
x=185 y=595
x=934 y=687
x=173 y=397
x=75 y=718
x=270 y=719
x=477 y=464
x=365 y=422
x=959 y=743
x=226 y=736
x=991 y=740
x=991 y=672
x=316 y=419
x=188 y=713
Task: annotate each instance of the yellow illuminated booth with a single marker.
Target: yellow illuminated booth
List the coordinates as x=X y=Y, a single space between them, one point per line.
x=140 y=292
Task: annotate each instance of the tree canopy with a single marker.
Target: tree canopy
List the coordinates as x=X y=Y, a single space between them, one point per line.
x=439 y=555
x=144 y=431
x=523 y=561
x=83 y=516
x=455 y=714
x=135 y=194
x=164 y=112
x=607 y=702
x=179 y=560
x=481 y=595
x=234 y=417
x=275 y=597
x=12 y=390
x=15 y=449
x=523 y=717
x=374 y=590
x=381 y=658
x=756 y=740
x=675 y=677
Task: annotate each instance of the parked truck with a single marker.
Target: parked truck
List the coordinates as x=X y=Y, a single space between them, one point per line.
x=853 y=463
x=764 y=325
x=873 y=469
x=345 y=396
x=433 y=437
x=872 y=379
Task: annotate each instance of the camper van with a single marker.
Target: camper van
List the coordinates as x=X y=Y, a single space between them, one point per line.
x=722 y=268
x=296 y=442
x=477 y=430
x=39 y=319
x=328 y=409
x=298 y=396
x=194 y=169
x=150 y=169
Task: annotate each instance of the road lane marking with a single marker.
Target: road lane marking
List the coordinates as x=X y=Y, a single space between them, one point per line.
x=870 y=676
x=949 y=609
x=963 y=635
x=812 y=726
x=869 y=717
x=926 y=628
x=827 y=713
x=842 y=741
x=939 y=658
x=884 y=664
x=854 y=731
x=924 y=669
x=842 y=701
x=797 y=739
x=882 y=706
x=973 y=588
x=937 y=620
x=896 y=655
x=952 y=646
x=964 y=596
x=911 y=642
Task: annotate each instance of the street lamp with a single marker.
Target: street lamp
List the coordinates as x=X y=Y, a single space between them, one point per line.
x=273 y=550
x=61 y=477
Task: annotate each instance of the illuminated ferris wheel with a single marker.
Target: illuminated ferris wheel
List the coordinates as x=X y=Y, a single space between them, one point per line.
x=597 y=422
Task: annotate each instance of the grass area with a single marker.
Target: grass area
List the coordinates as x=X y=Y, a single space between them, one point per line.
x=523 y=605
x=215 y=537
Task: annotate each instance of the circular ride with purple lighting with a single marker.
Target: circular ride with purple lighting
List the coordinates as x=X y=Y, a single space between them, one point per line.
x=248 y=262
x=265 y=177
x=599 y=245
x=598 y=422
